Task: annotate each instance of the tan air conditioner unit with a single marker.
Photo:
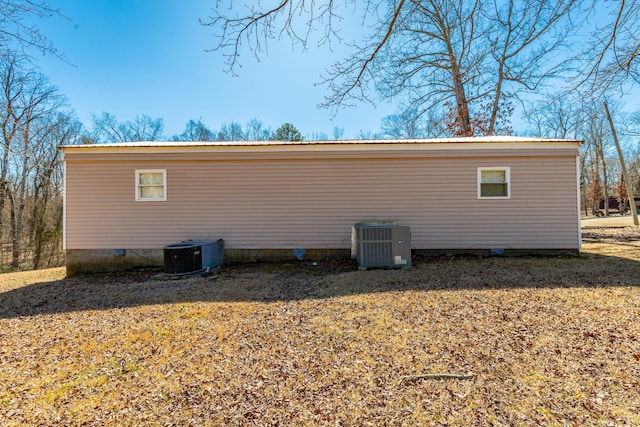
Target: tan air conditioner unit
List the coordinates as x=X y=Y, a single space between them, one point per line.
x=382 y=245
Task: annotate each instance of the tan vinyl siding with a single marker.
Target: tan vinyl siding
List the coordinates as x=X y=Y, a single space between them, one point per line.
x=311 y=199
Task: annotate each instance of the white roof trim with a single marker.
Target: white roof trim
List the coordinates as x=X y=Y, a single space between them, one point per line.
x=450 y=143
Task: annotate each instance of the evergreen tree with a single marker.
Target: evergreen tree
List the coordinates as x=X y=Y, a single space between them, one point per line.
x=287 y=132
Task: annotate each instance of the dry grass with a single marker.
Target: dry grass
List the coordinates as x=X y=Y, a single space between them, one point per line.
x=552 y=341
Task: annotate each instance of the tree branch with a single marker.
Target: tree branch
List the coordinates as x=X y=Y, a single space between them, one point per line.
x=437 y=376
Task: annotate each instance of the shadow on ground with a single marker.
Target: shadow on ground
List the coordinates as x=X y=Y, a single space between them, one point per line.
x=307 y=280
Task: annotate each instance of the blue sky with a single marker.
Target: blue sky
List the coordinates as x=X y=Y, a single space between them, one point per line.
x=129 y=57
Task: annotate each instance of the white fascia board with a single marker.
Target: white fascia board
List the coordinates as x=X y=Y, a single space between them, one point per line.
x=324 y=146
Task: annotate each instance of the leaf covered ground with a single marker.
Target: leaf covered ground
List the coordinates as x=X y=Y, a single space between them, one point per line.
x=548 y=341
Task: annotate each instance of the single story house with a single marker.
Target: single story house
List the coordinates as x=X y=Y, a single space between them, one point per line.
x=125 y=201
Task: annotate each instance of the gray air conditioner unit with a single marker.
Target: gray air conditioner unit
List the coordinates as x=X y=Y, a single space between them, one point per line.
x=191 y=256
x=382 y=245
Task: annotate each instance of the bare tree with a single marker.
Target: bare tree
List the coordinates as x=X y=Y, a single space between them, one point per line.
x=317 y=136
x=13 y=84
x=144 y=128
x=46 y=198
x=556 y=116
x=575 y=117
x=29 y=102
x=457 y=53
x=256 y=130
x=367 y=135
x=612 y=54
x=433 y=55
x=338 y=133
x=524 y=36
x=633 y=151
x=409 y=125
x=107 y=128
x=17 y=31
x=350 y=78
x=563 y=117
x=634 y=169
x=195 y=130
x=40 y=100
x=231 y=132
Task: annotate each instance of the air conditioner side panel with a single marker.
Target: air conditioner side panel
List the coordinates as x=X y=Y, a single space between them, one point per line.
x=401 y=246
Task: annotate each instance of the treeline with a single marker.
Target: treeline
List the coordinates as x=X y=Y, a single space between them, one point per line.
x=34 y=120
x=106 y=128
x=600 y=169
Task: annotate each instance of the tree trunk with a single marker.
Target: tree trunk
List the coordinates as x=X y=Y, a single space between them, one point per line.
x=605 y=181
x=40 y=203
x=495 y=107
x=56 y=246
x=39 y=227
x=583 y=183
x=15 y=241
x=462 y=106
x=3 y=185
x=18 y=214
x=596 y=178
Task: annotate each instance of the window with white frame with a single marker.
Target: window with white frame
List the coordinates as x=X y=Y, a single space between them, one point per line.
x=151 y=185
x=494 y=183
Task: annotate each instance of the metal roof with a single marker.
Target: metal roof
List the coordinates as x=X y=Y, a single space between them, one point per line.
x=456 y=140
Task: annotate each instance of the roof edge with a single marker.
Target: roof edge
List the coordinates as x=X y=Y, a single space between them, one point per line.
x=502 y=139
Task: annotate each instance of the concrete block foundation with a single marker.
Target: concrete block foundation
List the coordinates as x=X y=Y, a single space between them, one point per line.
x=87 y=261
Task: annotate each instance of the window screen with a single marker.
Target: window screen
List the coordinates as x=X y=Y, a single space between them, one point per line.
x=493 y=182
x=151 y=185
